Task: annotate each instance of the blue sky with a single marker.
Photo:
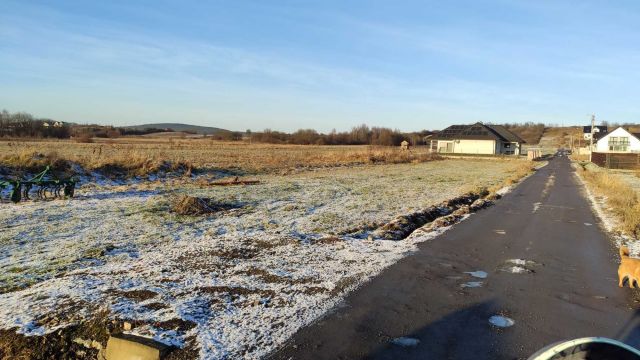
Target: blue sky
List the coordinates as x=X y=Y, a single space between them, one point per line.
x=327 y=64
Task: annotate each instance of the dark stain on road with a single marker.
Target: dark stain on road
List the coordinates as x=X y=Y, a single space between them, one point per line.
x=572 y=291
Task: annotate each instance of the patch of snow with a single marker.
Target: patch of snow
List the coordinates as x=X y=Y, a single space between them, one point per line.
x=501 y=321
x=517 y=261
x=478 y=274
x=504 y=190
x=517 y=270
x=405 y=341
x=547 y=186
x=536 y=206
x=472 y=284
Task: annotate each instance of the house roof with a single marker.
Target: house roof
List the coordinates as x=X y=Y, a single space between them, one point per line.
x=601 y=129
x=477 y=131
x=505 y=133
x=636 y=135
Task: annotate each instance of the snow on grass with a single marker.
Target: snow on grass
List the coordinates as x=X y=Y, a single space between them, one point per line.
x=234 y=284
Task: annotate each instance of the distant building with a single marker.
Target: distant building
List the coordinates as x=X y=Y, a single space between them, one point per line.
x=619 y=140
x=598 y=132
x=476 y=139
x=55 y=124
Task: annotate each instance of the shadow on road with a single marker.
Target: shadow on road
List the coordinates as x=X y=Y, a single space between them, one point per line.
x=441 y=339
x=630 y=332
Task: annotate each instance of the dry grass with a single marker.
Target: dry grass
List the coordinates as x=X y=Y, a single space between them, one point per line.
x=29 y=160
x=621 y=198
x=579 y=157
x=139 y=156
x=530 y=134
x=561 y=136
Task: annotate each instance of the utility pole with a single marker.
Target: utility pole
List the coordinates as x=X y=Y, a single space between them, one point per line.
x=593 y=124
x=571 y=143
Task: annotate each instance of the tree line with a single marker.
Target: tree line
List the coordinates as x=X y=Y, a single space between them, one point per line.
x=358 y=135
x=22 y=124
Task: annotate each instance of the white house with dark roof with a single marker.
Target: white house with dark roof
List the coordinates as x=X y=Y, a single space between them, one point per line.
x=477 y=138
x=619 y=140
x=598 y=132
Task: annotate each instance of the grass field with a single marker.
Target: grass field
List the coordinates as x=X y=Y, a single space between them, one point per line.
x=234 y=283
x=142 y=155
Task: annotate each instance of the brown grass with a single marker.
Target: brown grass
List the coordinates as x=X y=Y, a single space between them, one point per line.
x=530 y=134
x=561 y=136
x=84 y=138
x=139 y=156
x=620 y=197
x=579 y=157
x=189 y=205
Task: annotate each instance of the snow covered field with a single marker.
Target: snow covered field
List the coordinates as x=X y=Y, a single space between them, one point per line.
x=233 y=284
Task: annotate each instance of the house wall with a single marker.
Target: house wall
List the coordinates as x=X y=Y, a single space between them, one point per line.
x=485 y=147
x=443 y=145
x=603 y=144
x=514 y=148
x=474 y=147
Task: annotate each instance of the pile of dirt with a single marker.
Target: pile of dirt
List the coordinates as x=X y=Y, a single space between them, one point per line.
x=443 y=214
x=191 y=205
x=61 y=344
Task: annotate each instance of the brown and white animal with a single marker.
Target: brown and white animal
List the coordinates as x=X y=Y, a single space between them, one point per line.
x=629 y=268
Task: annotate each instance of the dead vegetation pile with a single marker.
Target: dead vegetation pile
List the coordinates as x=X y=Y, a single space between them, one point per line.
x=190 y=205
x=620 y=197
x=397 y=156
x=443 y=214
x=233 y=181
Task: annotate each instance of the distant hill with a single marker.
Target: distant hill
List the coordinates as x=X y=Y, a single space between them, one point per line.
x=204 y=130
x=562 y=136
x=531 y=133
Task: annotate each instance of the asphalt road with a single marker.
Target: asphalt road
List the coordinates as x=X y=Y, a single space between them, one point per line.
x=570 y=292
